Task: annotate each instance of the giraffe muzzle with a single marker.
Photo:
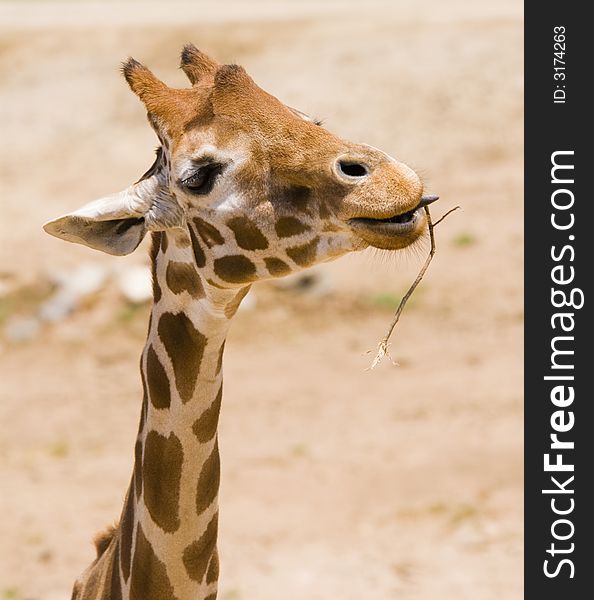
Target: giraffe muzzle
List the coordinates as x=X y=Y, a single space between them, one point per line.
x=396 y=231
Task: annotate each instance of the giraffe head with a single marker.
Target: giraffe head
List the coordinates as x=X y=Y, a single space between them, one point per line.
x=257 y=188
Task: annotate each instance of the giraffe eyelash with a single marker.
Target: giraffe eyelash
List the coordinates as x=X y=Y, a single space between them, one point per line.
x=203 y=179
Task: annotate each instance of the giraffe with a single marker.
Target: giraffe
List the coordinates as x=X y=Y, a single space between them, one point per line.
x=243 y=189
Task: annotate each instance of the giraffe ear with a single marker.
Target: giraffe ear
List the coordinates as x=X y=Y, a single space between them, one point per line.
x=117 y=224
x=96 y=226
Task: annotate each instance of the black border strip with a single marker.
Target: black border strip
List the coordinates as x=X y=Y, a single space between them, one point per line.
x=557 y=229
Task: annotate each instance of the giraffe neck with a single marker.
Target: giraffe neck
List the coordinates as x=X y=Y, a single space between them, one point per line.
x=165 y=545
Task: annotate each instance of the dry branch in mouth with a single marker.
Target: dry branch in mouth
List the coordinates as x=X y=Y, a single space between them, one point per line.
x=384 y=344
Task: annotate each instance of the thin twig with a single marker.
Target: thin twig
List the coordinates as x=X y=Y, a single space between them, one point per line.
x=443 y=217
x=384 y=344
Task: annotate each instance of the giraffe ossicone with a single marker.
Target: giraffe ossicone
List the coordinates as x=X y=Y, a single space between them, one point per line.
x=243 y=189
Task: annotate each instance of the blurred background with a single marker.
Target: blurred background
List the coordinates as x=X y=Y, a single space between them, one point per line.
x=404 y=482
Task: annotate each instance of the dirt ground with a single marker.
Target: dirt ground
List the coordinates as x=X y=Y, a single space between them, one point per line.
x=338 y=483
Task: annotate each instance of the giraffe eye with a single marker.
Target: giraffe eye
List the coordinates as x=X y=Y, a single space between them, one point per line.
x=203 y=179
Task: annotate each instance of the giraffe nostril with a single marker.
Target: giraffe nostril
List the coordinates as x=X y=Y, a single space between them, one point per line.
x=351 y=168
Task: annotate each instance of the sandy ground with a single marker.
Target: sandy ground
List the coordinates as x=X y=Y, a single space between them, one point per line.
x=402 y=483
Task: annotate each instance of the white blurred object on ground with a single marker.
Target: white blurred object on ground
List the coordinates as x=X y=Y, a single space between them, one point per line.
x=135 y=283
x=72 y=288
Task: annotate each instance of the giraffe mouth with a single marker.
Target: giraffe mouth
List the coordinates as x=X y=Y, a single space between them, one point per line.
x=401 y=223
x=393 y=232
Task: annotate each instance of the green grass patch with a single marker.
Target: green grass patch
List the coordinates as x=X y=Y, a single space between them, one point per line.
x=59 y=450
x=463 y=240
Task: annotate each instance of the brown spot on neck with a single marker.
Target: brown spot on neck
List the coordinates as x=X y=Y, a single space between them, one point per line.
x=126 y=531
x=158 y=382
x=209 y=233
x=290 y=226
x=161 y=476
x=155 y=246
x=115 y=585
x=199 y=255
x=138 y=468
x=205 y=426
x=157 y=293
x=305 y=254
x=276 y=267
x=212 y=575
x=144 y=406
x=216 y=285
x=247 y=234
x=208 y=481
x=183 y=277
x=149 y=574
x=198 y=554
x=185 y=346
x=235 y=269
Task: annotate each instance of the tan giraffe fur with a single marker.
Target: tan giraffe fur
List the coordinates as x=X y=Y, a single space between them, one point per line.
x=243 y=189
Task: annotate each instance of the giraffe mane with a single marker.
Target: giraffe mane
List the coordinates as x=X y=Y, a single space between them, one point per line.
x=103 y=539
